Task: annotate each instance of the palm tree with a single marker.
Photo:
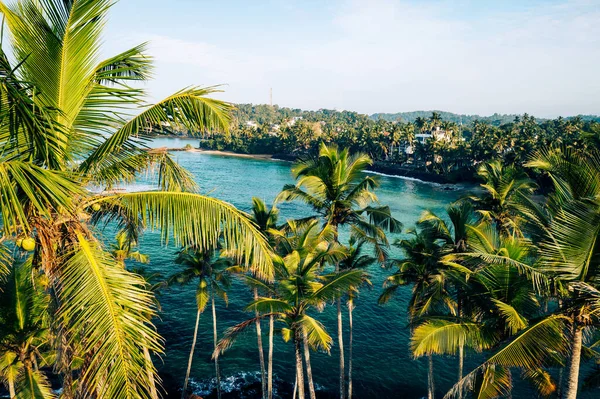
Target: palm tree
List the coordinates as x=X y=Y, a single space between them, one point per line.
x=454 y=235
x=24 y=332
x=505 y=190
x=355 y=260
x=265 y=219
x=122 y=250
x=301 y=287
x=212 y=274
x=569 y=251
x=68 y=125
x=504 y=287
x=421 y=267
x=335 y=187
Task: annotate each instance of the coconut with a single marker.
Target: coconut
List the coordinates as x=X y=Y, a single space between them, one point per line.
x=28 y=244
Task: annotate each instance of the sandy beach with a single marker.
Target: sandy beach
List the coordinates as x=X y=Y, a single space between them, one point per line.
x=226 y=153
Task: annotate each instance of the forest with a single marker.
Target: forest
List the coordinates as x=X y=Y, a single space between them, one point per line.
x=431 y=144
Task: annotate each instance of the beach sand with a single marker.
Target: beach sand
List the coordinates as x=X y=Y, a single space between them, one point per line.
x=226 y=153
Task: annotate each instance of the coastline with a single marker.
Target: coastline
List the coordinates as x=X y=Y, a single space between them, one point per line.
x=376 y=168
x=225 y=153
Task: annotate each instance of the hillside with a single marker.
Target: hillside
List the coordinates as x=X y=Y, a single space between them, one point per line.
x=266 y=114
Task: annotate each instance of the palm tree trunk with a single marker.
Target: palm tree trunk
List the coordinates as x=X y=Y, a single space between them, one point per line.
x=261 y=354
x=270 y=367
x=309 y=377
x=573 y=378
x=218 y=374
x=461 y=362
x=11 y=388
x=150 y=373
x=299 y=370
x=350 y=309
x=295 y=394
x=341 y=345
x=430 y=381
x=191 y=357
x=461 y=347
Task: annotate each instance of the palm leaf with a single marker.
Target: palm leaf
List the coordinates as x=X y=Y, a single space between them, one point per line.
x=188 y=108
x=106 y=307
x=318 y=338
x=442 y=337
x=198 y=221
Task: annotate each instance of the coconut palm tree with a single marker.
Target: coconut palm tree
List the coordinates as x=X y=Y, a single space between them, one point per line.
x=504 y=287
x=569 y=251
x=265 y=219
x=422 y=268
x=335 y=186
x=212 y=273
x=123 y=249
x=454 y=235
x=302 y=286
x=505 y=190
x=68 y=123
x=354 y=260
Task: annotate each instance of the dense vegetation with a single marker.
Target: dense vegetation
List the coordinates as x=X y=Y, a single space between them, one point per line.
x=506 y=274
x=431 y=144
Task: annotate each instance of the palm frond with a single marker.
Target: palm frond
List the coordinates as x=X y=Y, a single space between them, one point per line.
x=188 y=108
x=105 y=308
x=130 y=65
x=318 y=338
x=442 y=337
x=542 y=343
x=33 y=384
x=45 y=190
x=198 y=221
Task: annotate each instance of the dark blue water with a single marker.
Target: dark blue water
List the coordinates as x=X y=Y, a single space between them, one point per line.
x=383 y=366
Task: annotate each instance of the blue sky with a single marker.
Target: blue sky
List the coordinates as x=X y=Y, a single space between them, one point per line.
x=369 y=56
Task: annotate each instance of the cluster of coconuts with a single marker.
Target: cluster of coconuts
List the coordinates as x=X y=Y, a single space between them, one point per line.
x=27 y=243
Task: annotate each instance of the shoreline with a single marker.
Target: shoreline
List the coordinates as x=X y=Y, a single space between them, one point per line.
x=376 y=168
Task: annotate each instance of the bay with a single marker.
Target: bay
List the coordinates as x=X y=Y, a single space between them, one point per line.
x=383 y=366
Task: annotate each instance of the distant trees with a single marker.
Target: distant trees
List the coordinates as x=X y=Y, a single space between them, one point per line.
x=445 y=146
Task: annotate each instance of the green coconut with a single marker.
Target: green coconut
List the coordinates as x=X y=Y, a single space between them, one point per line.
x=28 y=244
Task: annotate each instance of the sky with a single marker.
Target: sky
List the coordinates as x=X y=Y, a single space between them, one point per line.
x=464 y=56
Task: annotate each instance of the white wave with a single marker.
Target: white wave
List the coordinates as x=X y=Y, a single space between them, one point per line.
x=408 y=178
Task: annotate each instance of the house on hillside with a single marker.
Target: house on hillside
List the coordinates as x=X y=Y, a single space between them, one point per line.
x=292 y=121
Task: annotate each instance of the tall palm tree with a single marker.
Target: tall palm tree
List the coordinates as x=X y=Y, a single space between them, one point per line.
x=335 y=186
x=569 y=251
x=504 y=287
x=212 y=274
x=422 y=268
x=66 y=124
x=454 y=235
x=265 y=219
x=354 y=260
x=302 y=287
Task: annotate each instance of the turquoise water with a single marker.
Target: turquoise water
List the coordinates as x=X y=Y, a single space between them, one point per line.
x=383 y=367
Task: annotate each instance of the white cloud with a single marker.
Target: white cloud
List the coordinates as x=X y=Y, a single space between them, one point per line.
x=387 y=55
